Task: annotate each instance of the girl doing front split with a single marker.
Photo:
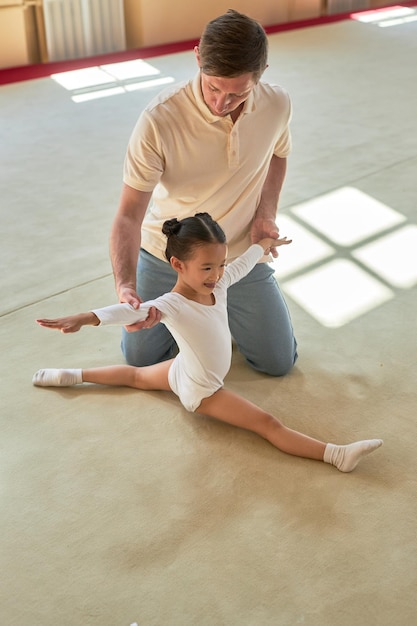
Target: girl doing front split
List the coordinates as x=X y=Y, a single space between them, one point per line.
x=195 y=313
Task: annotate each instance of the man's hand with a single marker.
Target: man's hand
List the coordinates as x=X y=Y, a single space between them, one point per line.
x=131 y=297
x=262 y=229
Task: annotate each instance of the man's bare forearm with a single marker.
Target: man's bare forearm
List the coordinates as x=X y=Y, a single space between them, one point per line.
x=124 y=251
x=271 y=190
x=125 y=237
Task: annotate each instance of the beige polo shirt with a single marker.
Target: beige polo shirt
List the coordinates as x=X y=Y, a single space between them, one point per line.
x=197 y=162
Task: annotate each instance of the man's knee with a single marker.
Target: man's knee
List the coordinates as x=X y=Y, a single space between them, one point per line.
x=145 y=347
x=130 y=351
x=276 y=365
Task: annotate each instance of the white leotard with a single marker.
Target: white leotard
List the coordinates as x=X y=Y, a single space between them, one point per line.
x=201 y=332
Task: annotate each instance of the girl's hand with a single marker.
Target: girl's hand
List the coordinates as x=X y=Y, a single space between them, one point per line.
x=269 y=245
x=72 y=323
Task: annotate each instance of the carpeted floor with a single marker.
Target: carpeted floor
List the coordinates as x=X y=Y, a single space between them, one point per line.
x=118 y=506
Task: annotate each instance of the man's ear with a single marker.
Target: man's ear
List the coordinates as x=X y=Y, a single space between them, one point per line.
x=197 y=55
x=176 y=264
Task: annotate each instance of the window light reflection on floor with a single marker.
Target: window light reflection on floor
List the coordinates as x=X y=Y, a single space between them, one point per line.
x=387 y=16
x=130 y=69
x=305 y=249
x=149 y=83
x=347 y=216
x=383 y=12
x=337 y=292
x=81 y=79
x=101 y=93
x=85 y=83
x=393 y=257
x=370 y=234
x=398 y=21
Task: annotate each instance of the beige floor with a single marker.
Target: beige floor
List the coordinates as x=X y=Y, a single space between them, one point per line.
x=118 y=506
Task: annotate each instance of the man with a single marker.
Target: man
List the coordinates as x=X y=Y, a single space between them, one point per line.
x=216 y=144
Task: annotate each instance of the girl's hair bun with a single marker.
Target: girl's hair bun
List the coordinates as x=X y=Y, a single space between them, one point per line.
x=171 y=227
x=184 y=235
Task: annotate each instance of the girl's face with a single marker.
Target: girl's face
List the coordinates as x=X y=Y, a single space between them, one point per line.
x=199 y=275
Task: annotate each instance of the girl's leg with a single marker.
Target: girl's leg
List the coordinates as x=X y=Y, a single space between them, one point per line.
x=150 y=377
x=233 y=409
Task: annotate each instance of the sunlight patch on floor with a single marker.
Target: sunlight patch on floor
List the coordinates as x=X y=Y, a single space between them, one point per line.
x=116 y=78
x=373 y=253
x=80 y=79
x=347 y=216
x=393 y=257
x=387 y=16
x=305 y=250
x=130 y=69
x=337 y=292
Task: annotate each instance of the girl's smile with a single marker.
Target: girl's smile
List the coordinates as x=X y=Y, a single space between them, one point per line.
x=198 y=276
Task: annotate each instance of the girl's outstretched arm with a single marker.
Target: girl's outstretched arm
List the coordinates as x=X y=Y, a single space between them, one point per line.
x=72 y=323
x=115 y=314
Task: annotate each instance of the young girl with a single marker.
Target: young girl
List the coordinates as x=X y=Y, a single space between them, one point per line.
x=195 y=313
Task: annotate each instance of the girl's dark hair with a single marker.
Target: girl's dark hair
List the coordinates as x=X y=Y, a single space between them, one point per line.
x=233 y=44
x=187 y=234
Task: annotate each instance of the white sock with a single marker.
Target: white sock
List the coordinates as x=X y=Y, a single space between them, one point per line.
x=57 y=378
x=346 y=458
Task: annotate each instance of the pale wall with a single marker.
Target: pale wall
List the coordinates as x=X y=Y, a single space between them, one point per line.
x=154 y=22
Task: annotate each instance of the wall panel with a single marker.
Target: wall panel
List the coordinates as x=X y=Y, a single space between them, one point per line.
x=155 y=22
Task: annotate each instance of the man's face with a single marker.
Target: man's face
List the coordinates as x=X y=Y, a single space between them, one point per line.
x=225 y=95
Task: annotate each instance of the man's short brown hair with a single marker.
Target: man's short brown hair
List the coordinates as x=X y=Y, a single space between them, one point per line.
x=233 y=44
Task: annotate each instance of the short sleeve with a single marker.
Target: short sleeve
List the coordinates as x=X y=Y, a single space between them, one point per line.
x=144 y=161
